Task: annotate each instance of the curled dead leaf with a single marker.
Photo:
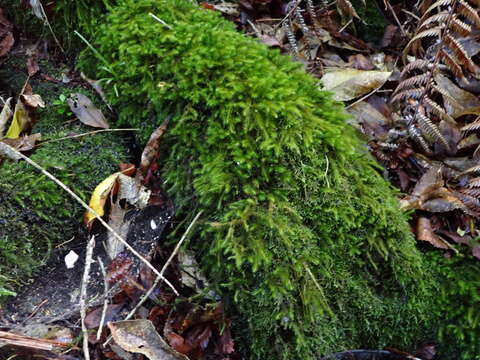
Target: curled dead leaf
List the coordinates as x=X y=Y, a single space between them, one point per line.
x=86 y=112
x=425 y=233
x=140 y=336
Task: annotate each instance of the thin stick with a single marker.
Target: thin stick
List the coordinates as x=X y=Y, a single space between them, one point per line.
x=387 y=4
x=160 y=21
x=84 y=134
x=164 y=268
x=294 y=8
x=50 y=26
x=83 y=294
x=11 y=152
x=105 y=300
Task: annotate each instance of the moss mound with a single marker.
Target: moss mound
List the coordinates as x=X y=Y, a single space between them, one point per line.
x=35 y=214
x=300 y=230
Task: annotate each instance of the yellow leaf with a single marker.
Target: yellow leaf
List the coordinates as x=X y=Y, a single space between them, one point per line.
x=20 y=120
x=99 y=197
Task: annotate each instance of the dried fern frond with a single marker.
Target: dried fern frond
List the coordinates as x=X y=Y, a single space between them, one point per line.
x=416 y=135
x=460 y=27
x=409 y=94
x=452 y=64
x=433 y=32
x=471 y=192
x=472 y=126
x=459 y=52
x=441 y=17
x=438 y=4
x=436 y=109
x=474 y=183
x=414 y=81
x=420 y=65
x=432 y=130
x=446 y=96
x=470 y=13
x=470 y=202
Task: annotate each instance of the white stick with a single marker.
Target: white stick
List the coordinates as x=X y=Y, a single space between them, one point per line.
x=83 y=294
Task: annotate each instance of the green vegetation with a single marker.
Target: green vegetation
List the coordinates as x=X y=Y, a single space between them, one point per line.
x=301 y=235
x=457 y=305
x=35 y=214
x=300 y=230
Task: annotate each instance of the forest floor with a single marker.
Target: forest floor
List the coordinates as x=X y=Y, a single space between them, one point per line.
x=433 y=162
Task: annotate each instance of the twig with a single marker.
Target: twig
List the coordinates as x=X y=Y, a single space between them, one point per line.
x=11 y=152
x=30 y=342
x=160 y=21
x=164 y=268
x=292 y=10
x=387 y=4
x=83 y=294
x=105 y=300
x=257 y=32
x=50 y=26
x=345 y=26
x=84 y=134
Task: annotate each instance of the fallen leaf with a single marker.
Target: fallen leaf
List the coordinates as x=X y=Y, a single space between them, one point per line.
x=86 y=112
x=32 y=100
x=151 y=151
x=21 y=120
x=465 y=102
x=94 y=317
x=425 y=233
x=349 y=84
x=99 y=198
x=5 y=115
x=140 y=336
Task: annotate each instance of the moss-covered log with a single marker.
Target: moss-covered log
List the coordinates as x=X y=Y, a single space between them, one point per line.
x=299 y=230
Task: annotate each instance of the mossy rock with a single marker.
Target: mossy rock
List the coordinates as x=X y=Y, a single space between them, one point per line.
x=35 y=214
x=299 y=231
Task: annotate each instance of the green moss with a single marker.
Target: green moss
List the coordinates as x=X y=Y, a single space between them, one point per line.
x=457 y=306
x=35 y=214
x=373 y=23
x=300 y=232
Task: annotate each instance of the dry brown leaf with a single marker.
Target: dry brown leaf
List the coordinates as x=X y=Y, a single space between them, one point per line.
x=349 y=84
x=24 y=143
x=465 y=102
x=151 y=150
x=140 y=336
x=33 y=100
x=425 y=233
x=32 y=65
x=86 y=111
